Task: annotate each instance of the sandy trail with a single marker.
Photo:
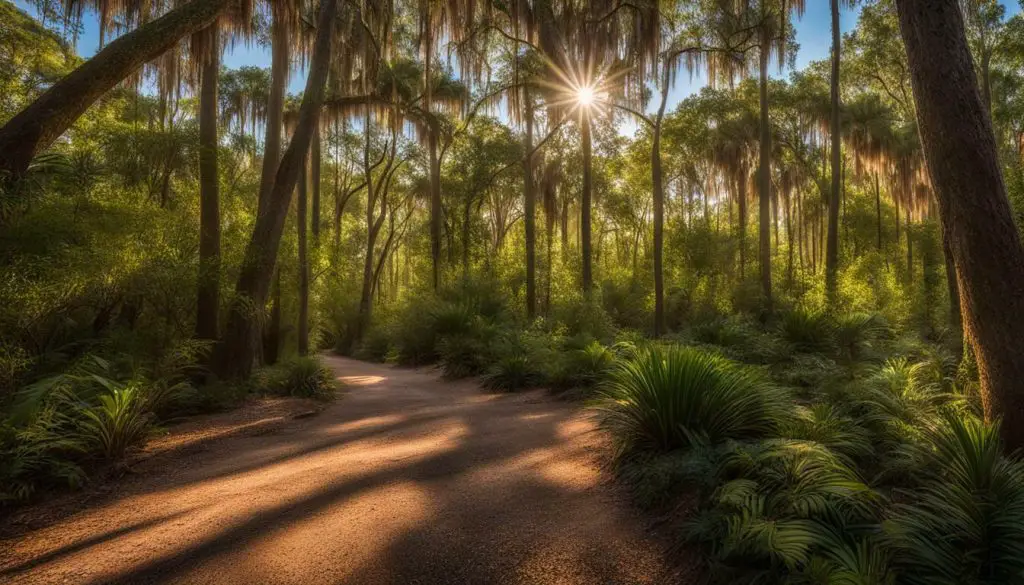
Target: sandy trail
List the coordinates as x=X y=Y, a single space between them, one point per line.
x=408 y=480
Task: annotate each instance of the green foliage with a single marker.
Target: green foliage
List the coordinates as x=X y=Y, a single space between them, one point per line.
x=667 y=398
x=39 y=455
x=807 y=332
x=302 y=377
x=119 y=422
x=583 y=368
x=511 y=372
x=964 y=523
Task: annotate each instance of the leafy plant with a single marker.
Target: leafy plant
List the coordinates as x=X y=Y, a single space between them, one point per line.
x=512 y=372
x=118 y=423
x=303 y=377
x=965 y=523
x=583 y=368
x=666 y=397
x=807 y=331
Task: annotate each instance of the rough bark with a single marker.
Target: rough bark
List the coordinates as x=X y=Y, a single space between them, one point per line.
x=585 y=243
x=37 y=126
x=962 y=158
x=832 y=243
x=208 y=285
x=238 y=347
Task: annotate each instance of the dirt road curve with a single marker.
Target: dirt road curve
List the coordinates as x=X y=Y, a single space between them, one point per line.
x=408 y=480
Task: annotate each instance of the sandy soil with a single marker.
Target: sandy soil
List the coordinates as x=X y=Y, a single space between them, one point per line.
x=407 y=480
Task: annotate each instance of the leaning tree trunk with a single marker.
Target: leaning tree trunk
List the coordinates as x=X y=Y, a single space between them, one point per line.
x=530 y=214
x=960 y=150
x=832 y=244
x=238 y=347
x=585 y=244
x=301 y=217
x=208 y=293
x=275 y=106
x=37 y=126
x=764 y=186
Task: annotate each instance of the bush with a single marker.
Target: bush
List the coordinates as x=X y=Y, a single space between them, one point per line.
x=857 y=334
x=512 y=372
x=119 y=422
x=303 y=377
x=965 y=523
x=667 y=398
x=376 y=345
x=807 y=332
x=465 y=355
x=583 y=368
x=39 y=456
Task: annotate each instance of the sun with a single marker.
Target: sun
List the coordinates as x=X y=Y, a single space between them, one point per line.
x=585 y=96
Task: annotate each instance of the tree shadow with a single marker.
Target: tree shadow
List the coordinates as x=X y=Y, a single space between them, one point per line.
x=511 y=497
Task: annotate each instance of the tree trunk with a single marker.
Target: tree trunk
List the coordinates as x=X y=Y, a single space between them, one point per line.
x=435 y=164
x=741 y=199
x=658 y=189
x=585 y=244
x=878 y=210
x=301 y=216
x=953 y=288
x=314 y=173
x=275 y=106
x=530 y=213
x=37 y=126
x=208 y=293
x=238 y=348
x=466 y=217
x=272 y=337
x=832 y=245
x=764 y=186
x=962 y=158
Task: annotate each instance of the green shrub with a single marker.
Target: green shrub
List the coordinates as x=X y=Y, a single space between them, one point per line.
x=583 y=368
x=721 y=332
x=586 y=319
x=667 y=397
x=376 y=345
x=790 y=512
x=857 y=334
x=303 y=377
x=469 y=352
x=965 y=523
x=807 y=332
x=511 y=372
x=40 y=455
x=119 y=422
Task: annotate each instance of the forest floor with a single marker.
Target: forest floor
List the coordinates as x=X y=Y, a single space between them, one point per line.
x=407 y=479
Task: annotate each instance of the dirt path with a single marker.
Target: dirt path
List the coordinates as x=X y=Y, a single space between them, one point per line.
x=408 y=480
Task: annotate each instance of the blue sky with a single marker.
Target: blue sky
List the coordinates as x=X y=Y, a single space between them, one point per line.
x=812 y=33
